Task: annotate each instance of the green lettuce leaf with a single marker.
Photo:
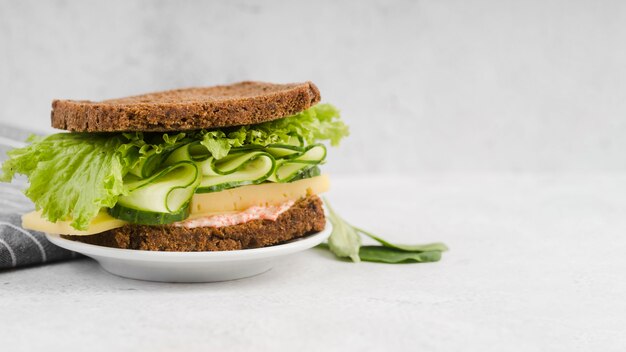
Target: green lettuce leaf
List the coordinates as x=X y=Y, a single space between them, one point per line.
x=72 y=175
x=319 y=123
x=217 y=143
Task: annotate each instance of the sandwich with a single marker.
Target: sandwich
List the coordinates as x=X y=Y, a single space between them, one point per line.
x=200 y=169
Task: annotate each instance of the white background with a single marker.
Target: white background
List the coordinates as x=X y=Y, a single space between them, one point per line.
x=426 y=86
x=506 y=119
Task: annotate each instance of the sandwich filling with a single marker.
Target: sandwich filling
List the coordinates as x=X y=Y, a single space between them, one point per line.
x=256 y=212
x=304 y=217
x=89 y=183
x=229 y=207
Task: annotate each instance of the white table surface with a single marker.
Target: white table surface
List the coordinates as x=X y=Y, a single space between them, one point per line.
x=537 y=262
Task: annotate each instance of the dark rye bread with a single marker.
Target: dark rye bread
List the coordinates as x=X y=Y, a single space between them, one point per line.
x=236 y=104
x=304 y=217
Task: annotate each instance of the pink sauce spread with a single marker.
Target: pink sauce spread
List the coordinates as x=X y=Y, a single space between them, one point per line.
x=253 y=213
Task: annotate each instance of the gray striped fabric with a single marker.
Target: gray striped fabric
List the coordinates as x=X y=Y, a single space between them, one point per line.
x=19 y=247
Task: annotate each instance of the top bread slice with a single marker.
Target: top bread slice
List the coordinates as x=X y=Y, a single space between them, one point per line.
x=243 y=103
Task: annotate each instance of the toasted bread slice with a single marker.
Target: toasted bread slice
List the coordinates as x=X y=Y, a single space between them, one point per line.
x=304 y=217
x=236 y=104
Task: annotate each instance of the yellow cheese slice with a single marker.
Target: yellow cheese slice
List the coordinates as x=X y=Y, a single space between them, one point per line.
x=102 y=222
x=242 y=198
x=202 y=204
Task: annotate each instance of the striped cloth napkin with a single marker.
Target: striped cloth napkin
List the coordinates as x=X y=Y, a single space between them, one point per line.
x=19 y=247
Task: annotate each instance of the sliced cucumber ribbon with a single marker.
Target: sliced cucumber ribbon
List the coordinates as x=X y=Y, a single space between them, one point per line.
x=148 y=217
x=160 y=187
x=246 y=166
x=193 y=151
x=239 y=169
x=167 y=191
x=294 y=165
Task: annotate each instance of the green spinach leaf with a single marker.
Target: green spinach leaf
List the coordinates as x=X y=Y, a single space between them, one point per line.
x=406 y=247
x=345 y=242
x=381 y=254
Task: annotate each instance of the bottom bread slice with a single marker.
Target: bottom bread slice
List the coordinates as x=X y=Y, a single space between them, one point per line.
x=304 y=217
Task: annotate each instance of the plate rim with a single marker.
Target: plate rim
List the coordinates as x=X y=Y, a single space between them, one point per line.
x=295 y=245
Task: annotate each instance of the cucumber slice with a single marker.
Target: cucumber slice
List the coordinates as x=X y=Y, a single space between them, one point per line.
x=235 y=162
x=206 y=167
x=230 y=163
x=287 y=171
x=193 y=151
x=284 y=151
x=313 y=154
x=165 y=192
x=249 y=171
x=295 y=140
x=198 y=152
x=147 y=164
x=307 y=173
x=294 y=147
x=290 y=168
x=142 y=217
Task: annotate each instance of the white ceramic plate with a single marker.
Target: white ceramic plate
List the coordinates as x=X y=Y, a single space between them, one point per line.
x=190 y=266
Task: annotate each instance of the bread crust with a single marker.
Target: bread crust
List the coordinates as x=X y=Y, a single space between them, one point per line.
x=236 y=104
x=304 y=217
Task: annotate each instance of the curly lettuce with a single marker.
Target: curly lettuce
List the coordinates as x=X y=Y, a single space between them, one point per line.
x=320 y=123
x=73 y=175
